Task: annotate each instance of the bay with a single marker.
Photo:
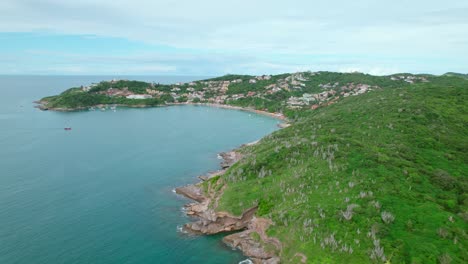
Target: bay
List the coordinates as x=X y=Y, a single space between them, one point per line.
x=102 y=192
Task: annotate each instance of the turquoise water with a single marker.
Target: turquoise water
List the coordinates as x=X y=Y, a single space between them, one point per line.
x=102 y=193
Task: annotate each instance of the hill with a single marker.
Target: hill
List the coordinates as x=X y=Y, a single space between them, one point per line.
x=372 y=169
x=461 y=75
x=284 y=93
x=381 y=177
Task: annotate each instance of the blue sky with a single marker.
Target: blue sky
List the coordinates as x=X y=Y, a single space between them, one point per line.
x=212 y=37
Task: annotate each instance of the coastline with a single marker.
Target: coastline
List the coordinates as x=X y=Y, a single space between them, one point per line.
x=251 y=238
x=42 y=106
x=232 y=107
x=249 y=231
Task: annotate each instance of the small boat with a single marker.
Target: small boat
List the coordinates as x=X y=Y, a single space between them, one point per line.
x=67 y=128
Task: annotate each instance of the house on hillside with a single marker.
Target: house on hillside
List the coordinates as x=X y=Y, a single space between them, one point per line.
x=139 y=96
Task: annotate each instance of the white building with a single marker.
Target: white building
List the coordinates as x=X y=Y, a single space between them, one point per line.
x=138 y=96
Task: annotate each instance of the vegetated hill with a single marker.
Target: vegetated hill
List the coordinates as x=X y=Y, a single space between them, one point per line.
x=283 y=93
x=380 y=177
x=461 y=75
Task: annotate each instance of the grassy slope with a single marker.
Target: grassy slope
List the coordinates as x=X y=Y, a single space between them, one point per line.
x=398 y=150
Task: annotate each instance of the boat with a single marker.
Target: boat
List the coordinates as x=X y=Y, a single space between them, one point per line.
x=67 y=128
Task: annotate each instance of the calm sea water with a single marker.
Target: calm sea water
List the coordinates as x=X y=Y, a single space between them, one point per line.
x=102 y=193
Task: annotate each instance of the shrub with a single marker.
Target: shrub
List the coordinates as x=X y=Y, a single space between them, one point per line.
x=443 y=180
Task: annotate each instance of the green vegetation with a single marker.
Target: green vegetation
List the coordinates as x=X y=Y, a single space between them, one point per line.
x=270 y=93
x=134 y=86
x=461 y=75
x=77 y=100
x=380 y=177
x=230 y=77
x=376 y=173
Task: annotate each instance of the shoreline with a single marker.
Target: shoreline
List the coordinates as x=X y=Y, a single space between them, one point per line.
x=232 y=107
x=40 y=105
x=249 y=231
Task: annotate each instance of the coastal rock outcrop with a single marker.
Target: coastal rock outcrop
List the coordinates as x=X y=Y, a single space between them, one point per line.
x=229 y=158
x=212 y=222
x=192 y=192
x=252 y=240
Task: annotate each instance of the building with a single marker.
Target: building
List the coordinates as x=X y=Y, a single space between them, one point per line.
x=139 y=96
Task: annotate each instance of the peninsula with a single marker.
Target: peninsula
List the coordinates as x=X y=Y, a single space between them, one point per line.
x=285 y=93
x=372 y=169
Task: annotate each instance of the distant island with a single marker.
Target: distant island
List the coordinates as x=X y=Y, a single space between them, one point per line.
x=372 y=169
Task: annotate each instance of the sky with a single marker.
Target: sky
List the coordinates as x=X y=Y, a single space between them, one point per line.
x=215 y=37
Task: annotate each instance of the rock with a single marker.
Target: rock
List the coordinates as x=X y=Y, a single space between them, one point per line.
x=229 y=158
x=273 y=260
x=284 y=125
x=193 y=192
x=212 y=222
x=251 y=248
x=211 y=175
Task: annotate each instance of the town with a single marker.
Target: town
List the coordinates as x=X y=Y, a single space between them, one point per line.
x=301 y=90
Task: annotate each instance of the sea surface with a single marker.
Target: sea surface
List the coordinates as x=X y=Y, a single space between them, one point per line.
x=103 y=192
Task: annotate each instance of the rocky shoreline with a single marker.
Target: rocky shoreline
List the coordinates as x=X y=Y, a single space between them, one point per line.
x=251 y=238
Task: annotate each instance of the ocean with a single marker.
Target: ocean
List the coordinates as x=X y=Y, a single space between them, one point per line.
x=103 y=192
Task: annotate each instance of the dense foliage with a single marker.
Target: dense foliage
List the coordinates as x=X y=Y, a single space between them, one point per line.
x=455 y=74
x=380 y=177
x=134 y=86
x=74 y=99
x=376 y=177
x=239 y=90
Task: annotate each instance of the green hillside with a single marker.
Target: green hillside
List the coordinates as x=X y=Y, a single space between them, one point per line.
x=283 y=93
x=376 y=172
x=380 y=177
x=461 y=75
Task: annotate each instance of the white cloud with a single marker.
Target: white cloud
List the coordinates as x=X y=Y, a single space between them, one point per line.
x=371 y=70
x=249 y=32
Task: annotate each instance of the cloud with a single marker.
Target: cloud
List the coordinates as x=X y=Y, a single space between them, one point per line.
x=261 y=35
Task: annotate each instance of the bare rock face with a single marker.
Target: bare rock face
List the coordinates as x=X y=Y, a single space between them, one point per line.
x=229 y=158
x=252 y=241
x=211 y=222
x=192 y=192
x=249 y=246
